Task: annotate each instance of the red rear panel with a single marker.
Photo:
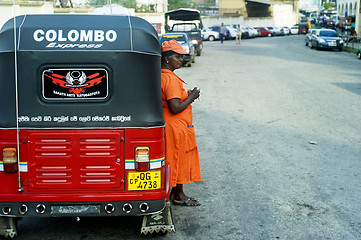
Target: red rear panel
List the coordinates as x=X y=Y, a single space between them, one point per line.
x=77 y=160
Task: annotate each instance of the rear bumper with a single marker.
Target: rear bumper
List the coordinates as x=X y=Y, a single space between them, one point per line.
x=326 y=46
x=187 y=58
x=79 y=209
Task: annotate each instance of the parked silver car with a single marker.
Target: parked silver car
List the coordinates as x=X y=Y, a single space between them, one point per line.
x=208 y=34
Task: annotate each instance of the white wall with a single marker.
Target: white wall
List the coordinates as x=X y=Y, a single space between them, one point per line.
x=7 y=11
x=283 y=15
x=344 y=5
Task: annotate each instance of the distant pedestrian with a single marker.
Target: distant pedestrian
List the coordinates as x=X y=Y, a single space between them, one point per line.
x=239 y=34
x=222 y=32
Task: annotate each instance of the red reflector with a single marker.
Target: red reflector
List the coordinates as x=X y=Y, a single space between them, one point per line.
x=142 y=166
x=10 y=160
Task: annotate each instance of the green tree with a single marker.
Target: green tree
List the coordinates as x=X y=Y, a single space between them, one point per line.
x=328 y=5
x=174 y=4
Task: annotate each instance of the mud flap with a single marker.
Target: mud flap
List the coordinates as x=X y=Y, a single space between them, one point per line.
x=8 y=227
x=158 y=223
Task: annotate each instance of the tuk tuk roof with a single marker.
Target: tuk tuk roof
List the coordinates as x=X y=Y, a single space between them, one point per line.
x=117 y=33
x=80 y=71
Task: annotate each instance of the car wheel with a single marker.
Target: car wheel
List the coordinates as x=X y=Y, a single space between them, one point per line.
x=269 y=35
x=359 y=55
x=193 y=59
x=189 y=64
x=340 y=49
x=310 y=44
x=211 y=38
x=199 y=52
x=306 y=44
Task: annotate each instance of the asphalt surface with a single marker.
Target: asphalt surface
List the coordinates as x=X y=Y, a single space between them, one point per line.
x=279 y=132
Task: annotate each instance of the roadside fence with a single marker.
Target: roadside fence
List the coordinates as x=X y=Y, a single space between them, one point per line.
x=351 y=41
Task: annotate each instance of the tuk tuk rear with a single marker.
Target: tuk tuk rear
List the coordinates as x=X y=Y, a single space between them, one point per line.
x=81 y=123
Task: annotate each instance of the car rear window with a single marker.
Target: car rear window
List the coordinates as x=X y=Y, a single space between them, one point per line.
x=184 y=27
x=178 y=37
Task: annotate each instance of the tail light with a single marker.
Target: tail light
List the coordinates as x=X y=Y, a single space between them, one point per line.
x=10 y=160
x=142 y=158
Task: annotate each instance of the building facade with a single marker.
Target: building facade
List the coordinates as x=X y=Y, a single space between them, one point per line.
x=350 y=10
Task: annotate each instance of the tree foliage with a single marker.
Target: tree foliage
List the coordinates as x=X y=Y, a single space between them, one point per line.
x=328 y=5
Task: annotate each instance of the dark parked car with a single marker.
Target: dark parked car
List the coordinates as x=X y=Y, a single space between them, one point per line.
x=326 y=39
x=188 y=47
x=330 y=24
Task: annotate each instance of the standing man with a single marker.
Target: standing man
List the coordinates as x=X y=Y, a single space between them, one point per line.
x=222 y=31
x=239 y=34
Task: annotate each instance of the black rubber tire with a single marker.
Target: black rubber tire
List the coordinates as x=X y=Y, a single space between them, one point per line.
x=211 y=38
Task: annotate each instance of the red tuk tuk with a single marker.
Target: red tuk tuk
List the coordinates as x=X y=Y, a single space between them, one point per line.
x=81 y=123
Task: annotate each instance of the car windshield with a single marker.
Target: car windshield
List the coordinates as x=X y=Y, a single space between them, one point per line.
x=328 y=34
x=178 y=37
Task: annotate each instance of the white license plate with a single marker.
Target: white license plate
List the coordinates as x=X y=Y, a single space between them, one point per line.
x=331 y=44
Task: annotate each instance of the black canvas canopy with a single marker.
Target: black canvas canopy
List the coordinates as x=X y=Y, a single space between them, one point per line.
x=79 y=71
x=183 y=14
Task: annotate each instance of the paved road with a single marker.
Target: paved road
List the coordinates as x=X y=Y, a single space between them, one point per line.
x=278 y=127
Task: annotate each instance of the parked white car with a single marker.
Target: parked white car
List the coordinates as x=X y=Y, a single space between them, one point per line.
x=252 y=32
x=294 y=30
x=286 y=30
x=208 y=34
x=232 y=31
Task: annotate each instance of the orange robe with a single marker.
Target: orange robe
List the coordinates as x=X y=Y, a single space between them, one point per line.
x=181 y=145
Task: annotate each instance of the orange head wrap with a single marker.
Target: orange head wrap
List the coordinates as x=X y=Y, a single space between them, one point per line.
x=174 y=46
